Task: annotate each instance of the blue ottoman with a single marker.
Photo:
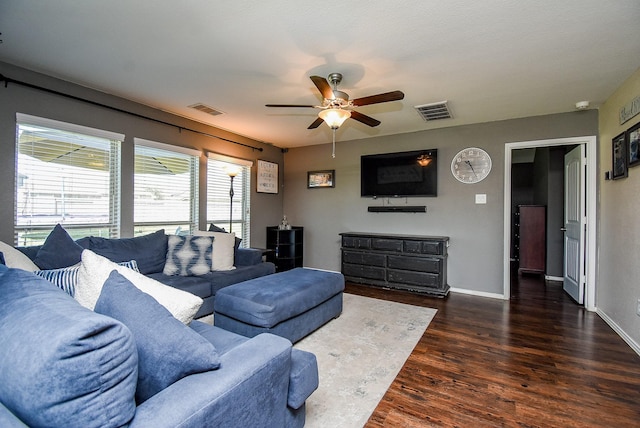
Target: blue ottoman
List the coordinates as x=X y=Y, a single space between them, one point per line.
x=291 y=304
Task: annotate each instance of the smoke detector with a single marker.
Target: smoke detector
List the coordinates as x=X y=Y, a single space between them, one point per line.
x=582 y=105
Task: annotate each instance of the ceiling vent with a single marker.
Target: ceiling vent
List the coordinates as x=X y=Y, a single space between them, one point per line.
x=206 y=109
x=434 y=111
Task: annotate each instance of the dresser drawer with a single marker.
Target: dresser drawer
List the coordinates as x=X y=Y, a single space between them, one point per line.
x=360 y=271
x=356 y=242
x=424 y=247
x=413 y=278
x=362 y=258
x=386 y=244
x=421 y=264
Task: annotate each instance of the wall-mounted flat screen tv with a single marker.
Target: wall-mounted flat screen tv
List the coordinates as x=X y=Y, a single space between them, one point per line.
x=399 y=174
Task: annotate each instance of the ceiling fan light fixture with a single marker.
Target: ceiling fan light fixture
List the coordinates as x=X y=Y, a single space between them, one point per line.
x=334 y=117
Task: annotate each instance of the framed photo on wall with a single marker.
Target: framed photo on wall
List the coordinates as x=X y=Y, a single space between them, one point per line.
x=267 y=177
x=633 y=145
x=320 y=179
x=619 y=157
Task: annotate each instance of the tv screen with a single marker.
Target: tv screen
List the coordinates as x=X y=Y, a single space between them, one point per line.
x=399 y=174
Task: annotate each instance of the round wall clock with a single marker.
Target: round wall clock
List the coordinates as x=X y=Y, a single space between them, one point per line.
x=471 y=165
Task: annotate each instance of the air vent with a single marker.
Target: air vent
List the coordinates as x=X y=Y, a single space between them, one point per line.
x=206 y=109
x=434 y=111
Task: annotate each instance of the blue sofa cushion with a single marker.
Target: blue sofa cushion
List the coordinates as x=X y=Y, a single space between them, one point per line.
x=62 y=364
x=188 y=255
x=167 y=349
x=58 y=251
x=150 y=251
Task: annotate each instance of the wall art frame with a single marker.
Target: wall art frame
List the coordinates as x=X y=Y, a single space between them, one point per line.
x=633 y=145
x=619 y=159
x=267 y=177
x=321 y=179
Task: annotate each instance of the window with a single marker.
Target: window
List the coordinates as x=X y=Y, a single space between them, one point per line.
x=67 y=174
x=165 y=188
x=232 y=214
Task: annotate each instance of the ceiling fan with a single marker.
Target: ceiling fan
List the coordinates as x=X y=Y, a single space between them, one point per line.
x=336 y=106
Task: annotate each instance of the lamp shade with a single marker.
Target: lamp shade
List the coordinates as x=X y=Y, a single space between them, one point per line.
x=334 y=117
x=232 y=170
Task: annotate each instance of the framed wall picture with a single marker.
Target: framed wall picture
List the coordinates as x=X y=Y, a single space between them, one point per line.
x=320 y=179
x=267 y=177
x=633 y=145
x=619 y=156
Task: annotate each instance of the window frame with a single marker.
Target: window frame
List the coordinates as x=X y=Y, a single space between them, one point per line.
x=39 y=231
x=241 y=186
x=172 y=226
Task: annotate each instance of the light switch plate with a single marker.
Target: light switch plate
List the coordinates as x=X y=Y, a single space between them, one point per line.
x=481 y=198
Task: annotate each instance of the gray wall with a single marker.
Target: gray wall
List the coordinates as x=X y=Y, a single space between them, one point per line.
x=266 y=209
x=476 y=231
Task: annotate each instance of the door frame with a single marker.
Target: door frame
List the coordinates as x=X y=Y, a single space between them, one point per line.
x=591 y=182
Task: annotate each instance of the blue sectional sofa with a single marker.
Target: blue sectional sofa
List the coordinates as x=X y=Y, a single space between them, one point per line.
x=65 y=365
x=150 y=252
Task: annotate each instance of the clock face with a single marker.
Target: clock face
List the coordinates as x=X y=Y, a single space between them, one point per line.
x=471 y=165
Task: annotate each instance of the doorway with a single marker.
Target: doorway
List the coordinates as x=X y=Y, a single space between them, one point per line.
x=591 y=150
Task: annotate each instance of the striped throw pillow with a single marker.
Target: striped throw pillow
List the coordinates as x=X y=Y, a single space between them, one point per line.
x=67 y=278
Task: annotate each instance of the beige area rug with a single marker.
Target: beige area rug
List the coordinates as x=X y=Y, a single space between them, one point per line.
x=359 y=355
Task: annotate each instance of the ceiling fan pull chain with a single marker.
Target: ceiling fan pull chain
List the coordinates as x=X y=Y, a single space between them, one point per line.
x=333 y=154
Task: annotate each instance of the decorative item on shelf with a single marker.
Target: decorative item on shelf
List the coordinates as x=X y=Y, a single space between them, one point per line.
x=284 y=224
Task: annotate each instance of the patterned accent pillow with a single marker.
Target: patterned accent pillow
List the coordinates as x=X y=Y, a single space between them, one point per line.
x=67 y=278
x=188 y=255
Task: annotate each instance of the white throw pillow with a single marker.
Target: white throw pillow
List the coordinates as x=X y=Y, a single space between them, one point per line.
x=16 y=258
x=224 y=246
x=95 y=269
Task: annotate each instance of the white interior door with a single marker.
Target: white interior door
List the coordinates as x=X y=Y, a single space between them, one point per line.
x=574 y=223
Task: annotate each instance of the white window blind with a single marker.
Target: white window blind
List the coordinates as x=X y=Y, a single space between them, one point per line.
x=67 y=174
x=165 y=188
x=220 y=210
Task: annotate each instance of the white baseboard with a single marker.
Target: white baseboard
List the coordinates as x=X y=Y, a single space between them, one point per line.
x=632 y=343
x=554 y=278
x=477 y=293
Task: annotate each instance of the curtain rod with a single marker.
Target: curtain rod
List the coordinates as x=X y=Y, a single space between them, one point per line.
x=8 y=80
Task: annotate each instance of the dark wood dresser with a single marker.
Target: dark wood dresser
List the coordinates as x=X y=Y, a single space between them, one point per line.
x=407 y=262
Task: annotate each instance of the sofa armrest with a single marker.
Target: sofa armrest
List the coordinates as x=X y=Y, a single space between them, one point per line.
x=249 y=389
x=248 y=256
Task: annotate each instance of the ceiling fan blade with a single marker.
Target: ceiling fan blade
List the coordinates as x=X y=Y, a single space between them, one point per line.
x=367 y=120
x=323 y=86
x=316 y=123
x=379 y=98
x=288 y=105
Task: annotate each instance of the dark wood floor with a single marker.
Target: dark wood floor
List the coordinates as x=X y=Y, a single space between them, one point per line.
x=537 y=361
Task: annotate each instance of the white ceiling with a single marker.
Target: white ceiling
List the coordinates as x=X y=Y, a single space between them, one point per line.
x=491 y=59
